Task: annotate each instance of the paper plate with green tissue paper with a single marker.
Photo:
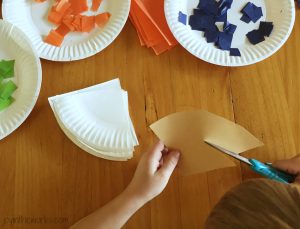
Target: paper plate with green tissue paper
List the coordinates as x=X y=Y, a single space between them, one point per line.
x=20 y=78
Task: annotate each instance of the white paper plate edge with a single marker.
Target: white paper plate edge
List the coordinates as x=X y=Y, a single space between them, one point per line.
x=89 y=149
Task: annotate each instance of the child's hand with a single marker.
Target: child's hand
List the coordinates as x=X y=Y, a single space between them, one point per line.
x=150 y=179
x=153 y=172
x=291 y=166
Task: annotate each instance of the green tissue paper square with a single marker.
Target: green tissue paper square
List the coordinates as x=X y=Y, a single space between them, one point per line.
x=7 y=89
x=4 y=103
x=7 y=68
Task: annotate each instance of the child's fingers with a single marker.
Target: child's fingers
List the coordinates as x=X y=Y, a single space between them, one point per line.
x=161 y=162
x=155 y=152
x=153 y=156
x=169 y=163
x=296 y=157
x=297 y=180
x=291 y=166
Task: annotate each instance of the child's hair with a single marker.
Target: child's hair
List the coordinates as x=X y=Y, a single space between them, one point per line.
x=258 y=203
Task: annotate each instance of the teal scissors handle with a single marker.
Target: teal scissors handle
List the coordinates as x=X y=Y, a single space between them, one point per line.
x=270 y=172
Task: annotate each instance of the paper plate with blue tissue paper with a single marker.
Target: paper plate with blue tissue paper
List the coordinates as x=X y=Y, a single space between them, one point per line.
x=231 y=32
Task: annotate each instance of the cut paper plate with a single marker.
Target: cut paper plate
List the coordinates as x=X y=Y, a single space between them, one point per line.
x=280 y=12
x=16 y=46
x=97 y=120
x=31 y=17
x=105 y=155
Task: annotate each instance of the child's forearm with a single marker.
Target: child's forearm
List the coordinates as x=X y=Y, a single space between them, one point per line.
x=150 y=179
x=114 y=214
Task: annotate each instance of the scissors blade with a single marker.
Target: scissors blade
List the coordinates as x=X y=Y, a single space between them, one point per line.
x=235 y=155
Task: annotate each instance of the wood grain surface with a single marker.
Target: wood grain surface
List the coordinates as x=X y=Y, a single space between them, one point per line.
x=44 y=175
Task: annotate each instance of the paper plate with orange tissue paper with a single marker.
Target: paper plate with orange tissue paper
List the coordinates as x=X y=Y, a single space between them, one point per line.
x=67 y=30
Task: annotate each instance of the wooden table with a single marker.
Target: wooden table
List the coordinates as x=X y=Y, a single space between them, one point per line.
x=43 y=174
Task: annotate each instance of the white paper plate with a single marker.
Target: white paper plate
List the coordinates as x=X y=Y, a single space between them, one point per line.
x=97 y=118
x=113 y=156
x=15 y=45
x=31 y=17
x=280 y=12
x=114 y=149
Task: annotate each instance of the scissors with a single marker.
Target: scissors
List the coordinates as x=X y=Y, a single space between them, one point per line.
x=264 y=169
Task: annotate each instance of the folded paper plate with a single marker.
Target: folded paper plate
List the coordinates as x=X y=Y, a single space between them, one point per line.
x=280 y=12
x=14 y=45
x=97 y=120
x=31 y=17
x=187 y=132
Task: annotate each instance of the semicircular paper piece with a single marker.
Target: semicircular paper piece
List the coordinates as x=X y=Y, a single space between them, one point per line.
x=187 y=131
x=113 y=156
x=97 y=120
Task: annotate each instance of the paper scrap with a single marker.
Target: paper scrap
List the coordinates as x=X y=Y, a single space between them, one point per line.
x=151 y=27
x=201 y=23
x=245 y=18
x=67 y=16
x=187 y=131
x=150 y=33
x=266 y=28
x=255 y=37
x=212 y=36
x=7 y=68
x=205 y=17
x=229 y=28
x=182 y=18
x=235 y=52
x=225 y=40
x=4 y=103
x=252 y=11
x=221 y=18
x=157 y=15
x=7 y=89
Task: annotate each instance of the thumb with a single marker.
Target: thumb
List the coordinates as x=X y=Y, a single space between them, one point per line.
x=169 y=163
x=291 y=166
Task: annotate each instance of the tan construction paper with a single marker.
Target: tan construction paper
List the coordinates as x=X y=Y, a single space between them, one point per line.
x=187 y=131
